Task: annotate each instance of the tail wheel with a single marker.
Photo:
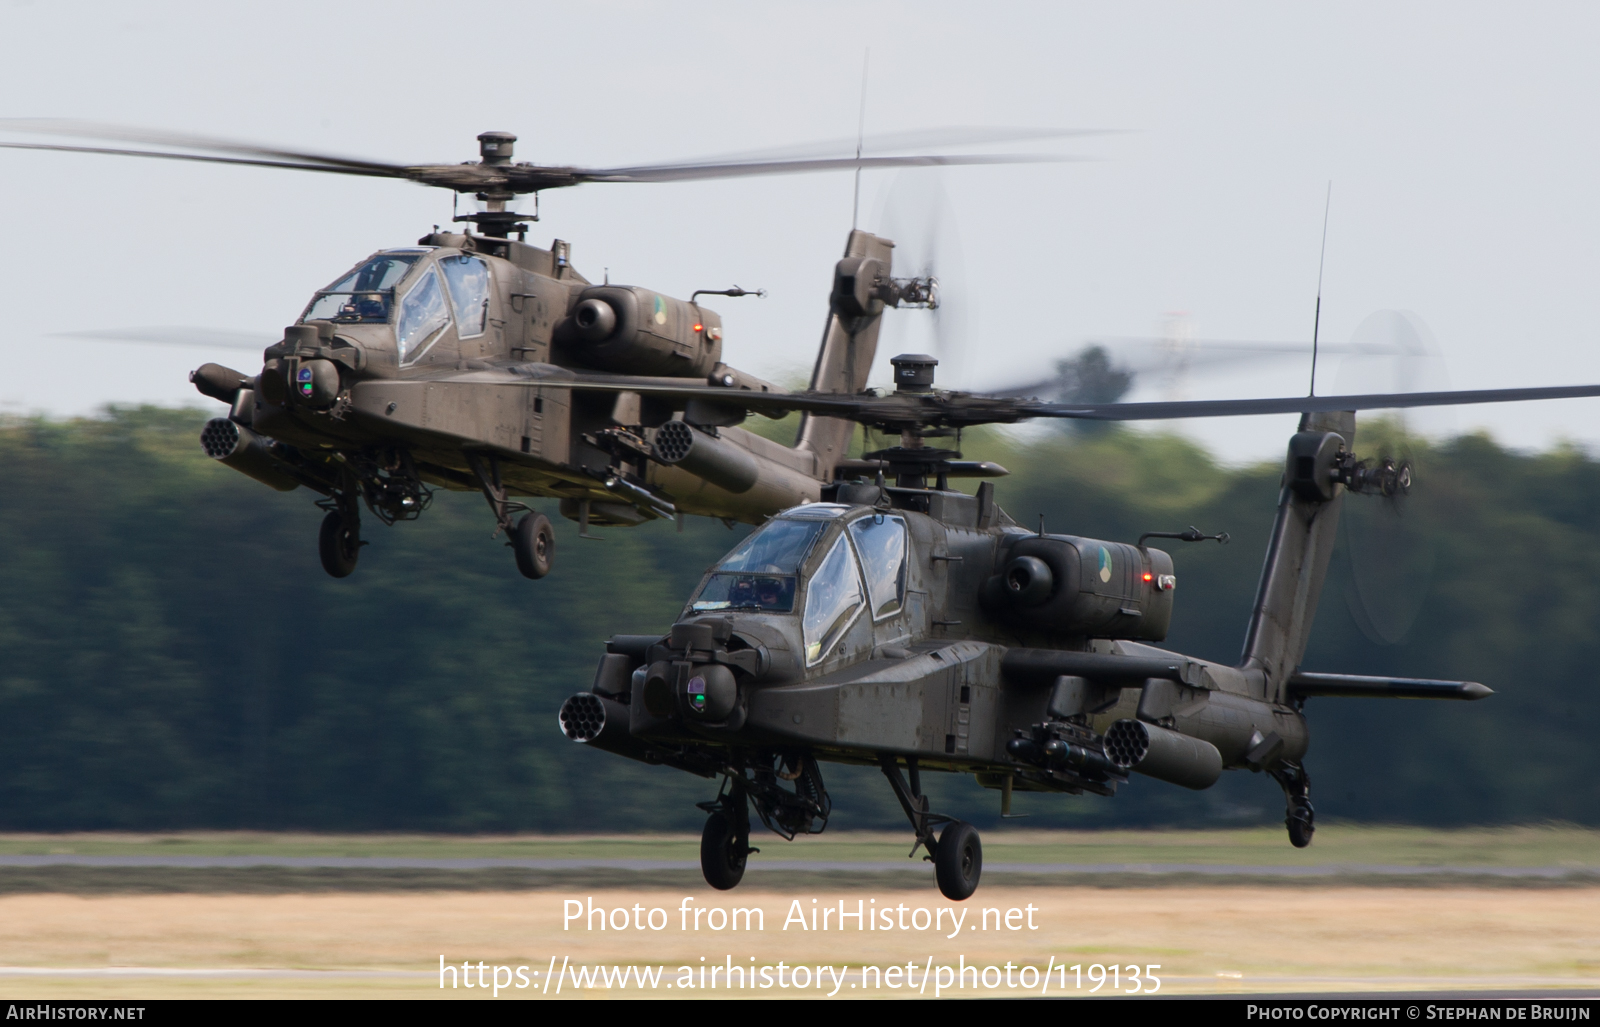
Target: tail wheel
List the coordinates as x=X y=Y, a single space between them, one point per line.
x=533 y=541
x=724 y=850
x=1301 y=824
x=339 y=544
x=958 y=861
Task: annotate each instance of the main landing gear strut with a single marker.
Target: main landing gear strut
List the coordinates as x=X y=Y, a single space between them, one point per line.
x=386 y=481
x=532 y=539
x=339 y=542
x=1300 y=818
x=725 y=841
x=802 y=808
x=957 y=853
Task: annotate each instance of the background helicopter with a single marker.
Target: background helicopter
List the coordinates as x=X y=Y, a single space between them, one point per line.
x=909 y=624
x=383 y=388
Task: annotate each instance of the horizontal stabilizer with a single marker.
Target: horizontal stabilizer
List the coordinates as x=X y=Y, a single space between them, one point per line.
x=1303 y=686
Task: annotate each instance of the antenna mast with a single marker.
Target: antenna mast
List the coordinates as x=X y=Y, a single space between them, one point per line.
x=861 y=129
x=1316 y=323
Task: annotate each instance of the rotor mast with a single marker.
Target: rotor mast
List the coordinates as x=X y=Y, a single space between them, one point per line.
x=495 y=150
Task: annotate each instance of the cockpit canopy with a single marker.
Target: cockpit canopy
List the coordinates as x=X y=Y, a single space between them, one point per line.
x=365 y=295
x=420 y=294
x=762 y=572
x=863 y=567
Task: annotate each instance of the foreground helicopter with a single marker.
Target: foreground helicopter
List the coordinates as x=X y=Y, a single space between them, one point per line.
x=388 y=384
x=902 y=624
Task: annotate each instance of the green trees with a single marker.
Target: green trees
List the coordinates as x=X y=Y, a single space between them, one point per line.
x=171 y=654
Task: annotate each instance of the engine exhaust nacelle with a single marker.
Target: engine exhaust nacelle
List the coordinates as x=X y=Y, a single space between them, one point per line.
x=1162 y=754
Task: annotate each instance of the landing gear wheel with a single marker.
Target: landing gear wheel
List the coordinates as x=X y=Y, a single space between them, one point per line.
x=534 y=542
x=339 y=544
x=958 y=862
x=1301 y=823
x=1300 y=818
x=724 y=850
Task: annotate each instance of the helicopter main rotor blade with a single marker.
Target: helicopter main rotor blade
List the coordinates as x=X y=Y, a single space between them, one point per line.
x=1308 y=404
x=176 y=335
x=915 y=139
x=512 y=178
x=298 y=159
x=689 y=172
x=204 y=158
x=522 y=178
x=957 y=409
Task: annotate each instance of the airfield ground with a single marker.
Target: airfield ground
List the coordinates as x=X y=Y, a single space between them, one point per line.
x=1379 y=910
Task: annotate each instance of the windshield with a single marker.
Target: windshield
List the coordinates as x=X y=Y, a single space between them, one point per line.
x=363 y=296
x=773 y=592
x=779 y=546
x=833 y=595
x=760 y=573
x=422 y=316
x=468 y=279
x=881 y=541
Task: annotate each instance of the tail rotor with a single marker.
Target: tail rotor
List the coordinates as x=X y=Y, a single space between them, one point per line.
x=1387 y=553
x=916 y=213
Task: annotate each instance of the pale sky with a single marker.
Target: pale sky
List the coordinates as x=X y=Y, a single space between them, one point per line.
x=1459 y=138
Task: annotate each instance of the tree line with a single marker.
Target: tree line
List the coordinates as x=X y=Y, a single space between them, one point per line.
x=172 y=655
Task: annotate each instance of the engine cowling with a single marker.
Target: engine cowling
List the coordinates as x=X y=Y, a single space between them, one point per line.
x=626 y=328
x=1082 y=586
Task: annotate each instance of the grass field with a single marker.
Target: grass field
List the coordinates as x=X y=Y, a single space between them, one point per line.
x=372 y=940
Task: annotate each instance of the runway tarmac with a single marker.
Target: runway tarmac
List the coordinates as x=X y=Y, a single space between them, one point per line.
x=759 y=866
x=1308 y=988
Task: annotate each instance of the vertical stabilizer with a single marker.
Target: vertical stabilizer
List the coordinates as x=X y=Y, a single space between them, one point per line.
x=1303 y=536
x=849 y=344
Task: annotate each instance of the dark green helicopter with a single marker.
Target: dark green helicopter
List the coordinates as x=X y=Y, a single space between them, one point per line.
x=903 y=624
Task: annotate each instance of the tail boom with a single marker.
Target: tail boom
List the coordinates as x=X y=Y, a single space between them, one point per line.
x=1303 y=536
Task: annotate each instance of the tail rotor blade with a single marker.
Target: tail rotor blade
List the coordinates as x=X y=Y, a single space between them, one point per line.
x=915 y=212
x=1389 y=555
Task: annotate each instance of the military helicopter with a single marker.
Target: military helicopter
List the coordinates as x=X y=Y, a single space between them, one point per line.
x=389 y=383
x=900 y=623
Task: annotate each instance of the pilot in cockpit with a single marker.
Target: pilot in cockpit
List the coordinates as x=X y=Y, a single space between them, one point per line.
x=371 y=306
x=763 y=592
